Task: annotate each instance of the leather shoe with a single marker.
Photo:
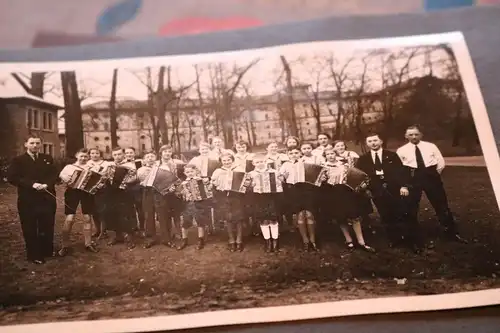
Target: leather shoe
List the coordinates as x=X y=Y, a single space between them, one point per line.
x=38 y=261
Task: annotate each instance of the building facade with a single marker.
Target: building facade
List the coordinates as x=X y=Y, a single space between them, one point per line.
x=25 y=115
x=258 y=120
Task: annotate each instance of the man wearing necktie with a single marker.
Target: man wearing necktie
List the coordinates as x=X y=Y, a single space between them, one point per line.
x=426 y=164
x=35 y=175
x=390 y=187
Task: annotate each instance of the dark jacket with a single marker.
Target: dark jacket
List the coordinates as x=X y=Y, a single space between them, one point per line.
x=396 y=175
x=23 y=172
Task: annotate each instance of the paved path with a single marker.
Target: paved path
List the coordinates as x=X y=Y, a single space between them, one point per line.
x=472 y=161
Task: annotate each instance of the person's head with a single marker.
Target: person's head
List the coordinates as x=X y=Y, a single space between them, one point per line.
x=294 y=154
x=204 y=148
x=413 y=134
x=217 y=142
x=292 y=142
x=241 y=147
x=259 y=161
x=272 y=148
x=130 y=153
x=149 y=157
x=33 y=143
x=190 y=170
x=165 y=152
x=306 y=149
x=95 y=154
x=323 y=139
x=339 y=146
x=329 y=154
x=82 y=156
x=118 y=154
x=373 y=141
x=227 y=159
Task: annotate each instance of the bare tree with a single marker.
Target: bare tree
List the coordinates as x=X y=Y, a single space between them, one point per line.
x=34 y=83
x=339 y=73
x=73 y=113
x=393 y=78
x=204 y=115
x=224 y=85
x=290 y=104
x=113 y=124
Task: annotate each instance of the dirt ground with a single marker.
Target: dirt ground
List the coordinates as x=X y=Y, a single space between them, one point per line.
x=120 y=283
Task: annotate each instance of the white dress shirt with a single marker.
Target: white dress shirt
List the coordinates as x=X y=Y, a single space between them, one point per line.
x=430 y=153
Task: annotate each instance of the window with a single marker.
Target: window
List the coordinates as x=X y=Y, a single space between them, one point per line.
x=44 y=120
x=269 y=135
x=106 y=126
x=309 y=131
x=143 y=137
x=48 y=148
x=96 y=138
x=95 y=125
x=32 y=120
x=307 y=123
x=50 y=121
x=305 y=114
x=194 y=142
x=107 y=149
x=141 y=124
x=143 y=147
x=266 y=116
x=106 y=138
x=192 y=122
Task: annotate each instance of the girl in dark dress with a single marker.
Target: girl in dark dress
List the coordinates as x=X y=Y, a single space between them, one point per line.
x=341 y=202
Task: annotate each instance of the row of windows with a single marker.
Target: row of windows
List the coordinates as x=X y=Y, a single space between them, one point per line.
x=36 y=119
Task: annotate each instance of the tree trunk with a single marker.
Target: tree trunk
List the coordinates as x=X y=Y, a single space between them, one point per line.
x=113 y=123
x=289 y=96
x=73 y=115
x=161 y=106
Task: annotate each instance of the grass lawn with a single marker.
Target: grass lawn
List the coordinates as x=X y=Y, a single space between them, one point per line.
x=117 y=283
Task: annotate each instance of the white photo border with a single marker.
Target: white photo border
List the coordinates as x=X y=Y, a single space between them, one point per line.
x=397 y=304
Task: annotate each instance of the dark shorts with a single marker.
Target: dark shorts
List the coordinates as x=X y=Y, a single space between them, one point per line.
x=73 y=198
x=340 y=202
x=264 y=206
x=199 y=211
x=302 y=197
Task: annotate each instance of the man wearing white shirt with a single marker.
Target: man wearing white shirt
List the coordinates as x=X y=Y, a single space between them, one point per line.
x=323 y=143
x=426 y=164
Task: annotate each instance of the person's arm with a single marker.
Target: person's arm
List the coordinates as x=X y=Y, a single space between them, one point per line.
x=16 y=178
x=439 y=157
x=403 y=174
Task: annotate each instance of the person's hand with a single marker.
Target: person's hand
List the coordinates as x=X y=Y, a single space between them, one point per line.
x=37 y=186
x=369 y=194
x=43 y=187
x=206 y=181
x=171 y=189
x=247 y=182
x=404 y=192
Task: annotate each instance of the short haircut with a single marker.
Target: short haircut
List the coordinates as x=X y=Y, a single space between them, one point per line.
x=329 y=149
x=293 y=149
x=97 y=150
x=204 y=144
x=117 y=149
x=242 y=143
x=306 y=144
x=227 y=154
x=414 y=127
x=370 y=134
x=338 y=141
x=325 y=134
x=191 y=166
x=147 y=152
x=165 y=147
x=131 y=148
x=32 y=136
x=293 y=138
x=259 y=156
x=82 y=150
x=273 y=143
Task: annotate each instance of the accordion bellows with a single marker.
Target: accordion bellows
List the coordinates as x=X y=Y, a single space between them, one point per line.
x=120 y=176
x=83 y=179
x=266 y=182
x=161 y=180
x=343 y=175
x=195 y=190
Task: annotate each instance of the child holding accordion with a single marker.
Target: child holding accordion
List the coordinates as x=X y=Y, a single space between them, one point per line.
x=230 y=188
x=266 y=186
x=73 y=197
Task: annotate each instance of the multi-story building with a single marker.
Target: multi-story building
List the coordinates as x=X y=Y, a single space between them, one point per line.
x=25 y=114
x=258 y=120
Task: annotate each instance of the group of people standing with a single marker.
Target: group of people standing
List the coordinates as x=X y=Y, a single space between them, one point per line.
x=271 y=193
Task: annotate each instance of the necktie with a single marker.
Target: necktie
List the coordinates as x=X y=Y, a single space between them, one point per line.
x=419 y=158
x=378 y=162
x=35 y=157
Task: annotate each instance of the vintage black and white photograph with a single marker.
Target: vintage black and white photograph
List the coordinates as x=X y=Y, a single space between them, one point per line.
x=302 y=174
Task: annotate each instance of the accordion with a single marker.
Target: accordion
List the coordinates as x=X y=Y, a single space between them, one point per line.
x=196 y=190
x=266 y=182
x=351 y=177
x=235 y=181
x=138 y=164
x=70 y=174
x=161 y=180
x=121 y=176
x=208 y=168
x=90 y=181
x=308 y=173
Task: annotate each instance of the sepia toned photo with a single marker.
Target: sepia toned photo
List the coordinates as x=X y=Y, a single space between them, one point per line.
x=301 y=181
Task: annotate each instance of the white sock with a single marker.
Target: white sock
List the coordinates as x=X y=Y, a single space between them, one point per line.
x=266 y=232
x=274 y=230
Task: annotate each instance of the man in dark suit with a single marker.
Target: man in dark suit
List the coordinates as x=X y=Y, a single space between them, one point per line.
x=35 y=175
x=390 y=188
